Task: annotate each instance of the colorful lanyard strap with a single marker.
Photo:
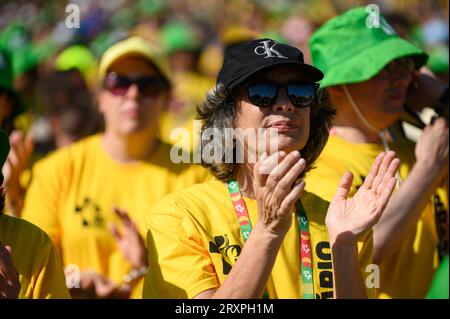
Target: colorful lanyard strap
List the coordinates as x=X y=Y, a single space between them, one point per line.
x=242 y=215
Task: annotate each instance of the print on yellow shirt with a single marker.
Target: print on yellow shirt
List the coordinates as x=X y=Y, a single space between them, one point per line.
x=194 y=239
x=409 y=271
x=81 y=185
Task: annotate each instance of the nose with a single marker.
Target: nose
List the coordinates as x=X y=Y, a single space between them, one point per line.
x=133 y=91
x=282 y=103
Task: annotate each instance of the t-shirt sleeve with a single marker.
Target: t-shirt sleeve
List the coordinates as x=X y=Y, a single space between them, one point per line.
x=44 y=193
x=48 y=280
x=179 y=263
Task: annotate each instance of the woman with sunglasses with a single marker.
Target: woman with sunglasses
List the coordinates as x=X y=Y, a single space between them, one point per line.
x=91 y=196
x=254 y=231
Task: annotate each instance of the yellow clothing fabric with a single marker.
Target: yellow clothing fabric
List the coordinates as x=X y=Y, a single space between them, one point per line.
x=74 y=190
x=35 y=259
x=409 y=272
x=194 y=239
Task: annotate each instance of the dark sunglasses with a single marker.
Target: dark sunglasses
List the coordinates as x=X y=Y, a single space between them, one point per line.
x=147 y=85
x=265 y=94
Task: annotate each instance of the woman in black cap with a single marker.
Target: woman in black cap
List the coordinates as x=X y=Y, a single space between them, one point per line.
x=296 y=244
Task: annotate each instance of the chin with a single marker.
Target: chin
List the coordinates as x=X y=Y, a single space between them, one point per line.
x=289 y=144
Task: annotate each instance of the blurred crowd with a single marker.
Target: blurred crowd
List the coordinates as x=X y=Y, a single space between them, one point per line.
x=53 y=66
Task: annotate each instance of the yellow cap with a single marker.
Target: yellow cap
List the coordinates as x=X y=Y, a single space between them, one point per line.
x=132 y=46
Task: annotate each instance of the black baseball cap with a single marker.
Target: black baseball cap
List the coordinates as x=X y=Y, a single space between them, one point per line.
x=245 y=59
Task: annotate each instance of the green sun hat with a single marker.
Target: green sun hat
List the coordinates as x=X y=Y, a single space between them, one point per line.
x=177 y=36
x=17 y=40
x=4 y=150
x=357 y=45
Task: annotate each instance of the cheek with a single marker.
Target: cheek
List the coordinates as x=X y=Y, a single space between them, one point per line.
x=251 y=118
x=106 y=104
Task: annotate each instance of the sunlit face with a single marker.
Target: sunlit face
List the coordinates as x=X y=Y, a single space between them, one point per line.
x=132 y=112
x=290 y=123
x=381 y=99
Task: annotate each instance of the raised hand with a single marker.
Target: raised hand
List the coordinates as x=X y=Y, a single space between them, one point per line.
x=94 y=285
x=277 y=190
x=354 y=216
x=432 y=148
x=17 y=161
x=9 y=278
x=129 y=241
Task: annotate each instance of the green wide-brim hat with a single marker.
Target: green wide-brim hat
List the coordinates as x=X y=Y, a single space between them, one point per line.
x=357 y=45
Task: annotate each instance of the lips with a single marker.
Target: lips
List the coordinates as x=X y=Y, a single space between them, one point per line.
x=283 y=126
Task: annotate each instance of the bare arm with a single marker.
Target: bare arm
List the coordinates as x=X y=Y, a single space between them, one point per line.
x=347 y=219
x=407 y=204
x=276 y=195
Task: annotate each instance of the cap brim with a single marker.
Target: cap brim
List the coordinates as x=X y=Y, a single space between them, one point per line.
x=130 y=47
x=311 y=72
x=365 y=65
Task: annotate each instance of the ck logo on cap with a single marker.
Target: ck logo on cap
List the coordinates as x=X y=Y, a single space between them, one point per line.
x=268 y=51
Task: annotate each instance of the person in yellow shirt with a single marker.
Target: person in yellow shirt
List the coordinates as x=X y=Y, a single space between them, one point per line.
x=91 y=197
x=29 y=264
x=369 y=70
x=297 y=245
x=182 y=44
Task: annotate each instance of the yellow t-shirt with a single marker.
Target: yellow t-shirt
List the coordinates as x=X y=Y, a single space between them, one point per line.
x=194 y=239
x=74 y=190
x=409 y=271
x=35 y=259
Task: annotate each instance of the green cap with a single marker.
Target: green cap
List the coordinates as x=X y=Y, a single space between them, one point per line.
x=150 y=7
x=357 y=45
x=78 y=57
x=4 y=150
x=6 y=73
x=177 y=36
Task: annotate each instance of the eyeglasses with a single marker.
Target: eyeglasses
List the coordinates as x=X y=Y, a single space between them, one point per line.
x=398 y=68
x=265 y=94
x=147 y=85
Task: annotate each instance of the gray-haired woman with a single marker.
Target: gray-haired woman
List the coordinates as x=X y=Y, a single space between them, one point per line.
x=296 y=244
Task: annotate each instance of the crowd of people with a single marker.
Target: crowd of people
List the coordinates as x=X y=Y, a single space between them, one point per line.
x=352 y=202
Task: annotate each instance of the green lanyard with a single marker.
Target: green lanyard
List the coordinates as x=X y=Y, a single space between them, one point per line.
x=240 y=209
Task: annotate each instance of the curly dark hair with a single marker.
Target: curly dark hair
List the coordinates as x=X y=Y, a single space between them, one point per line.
x=218 y=112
